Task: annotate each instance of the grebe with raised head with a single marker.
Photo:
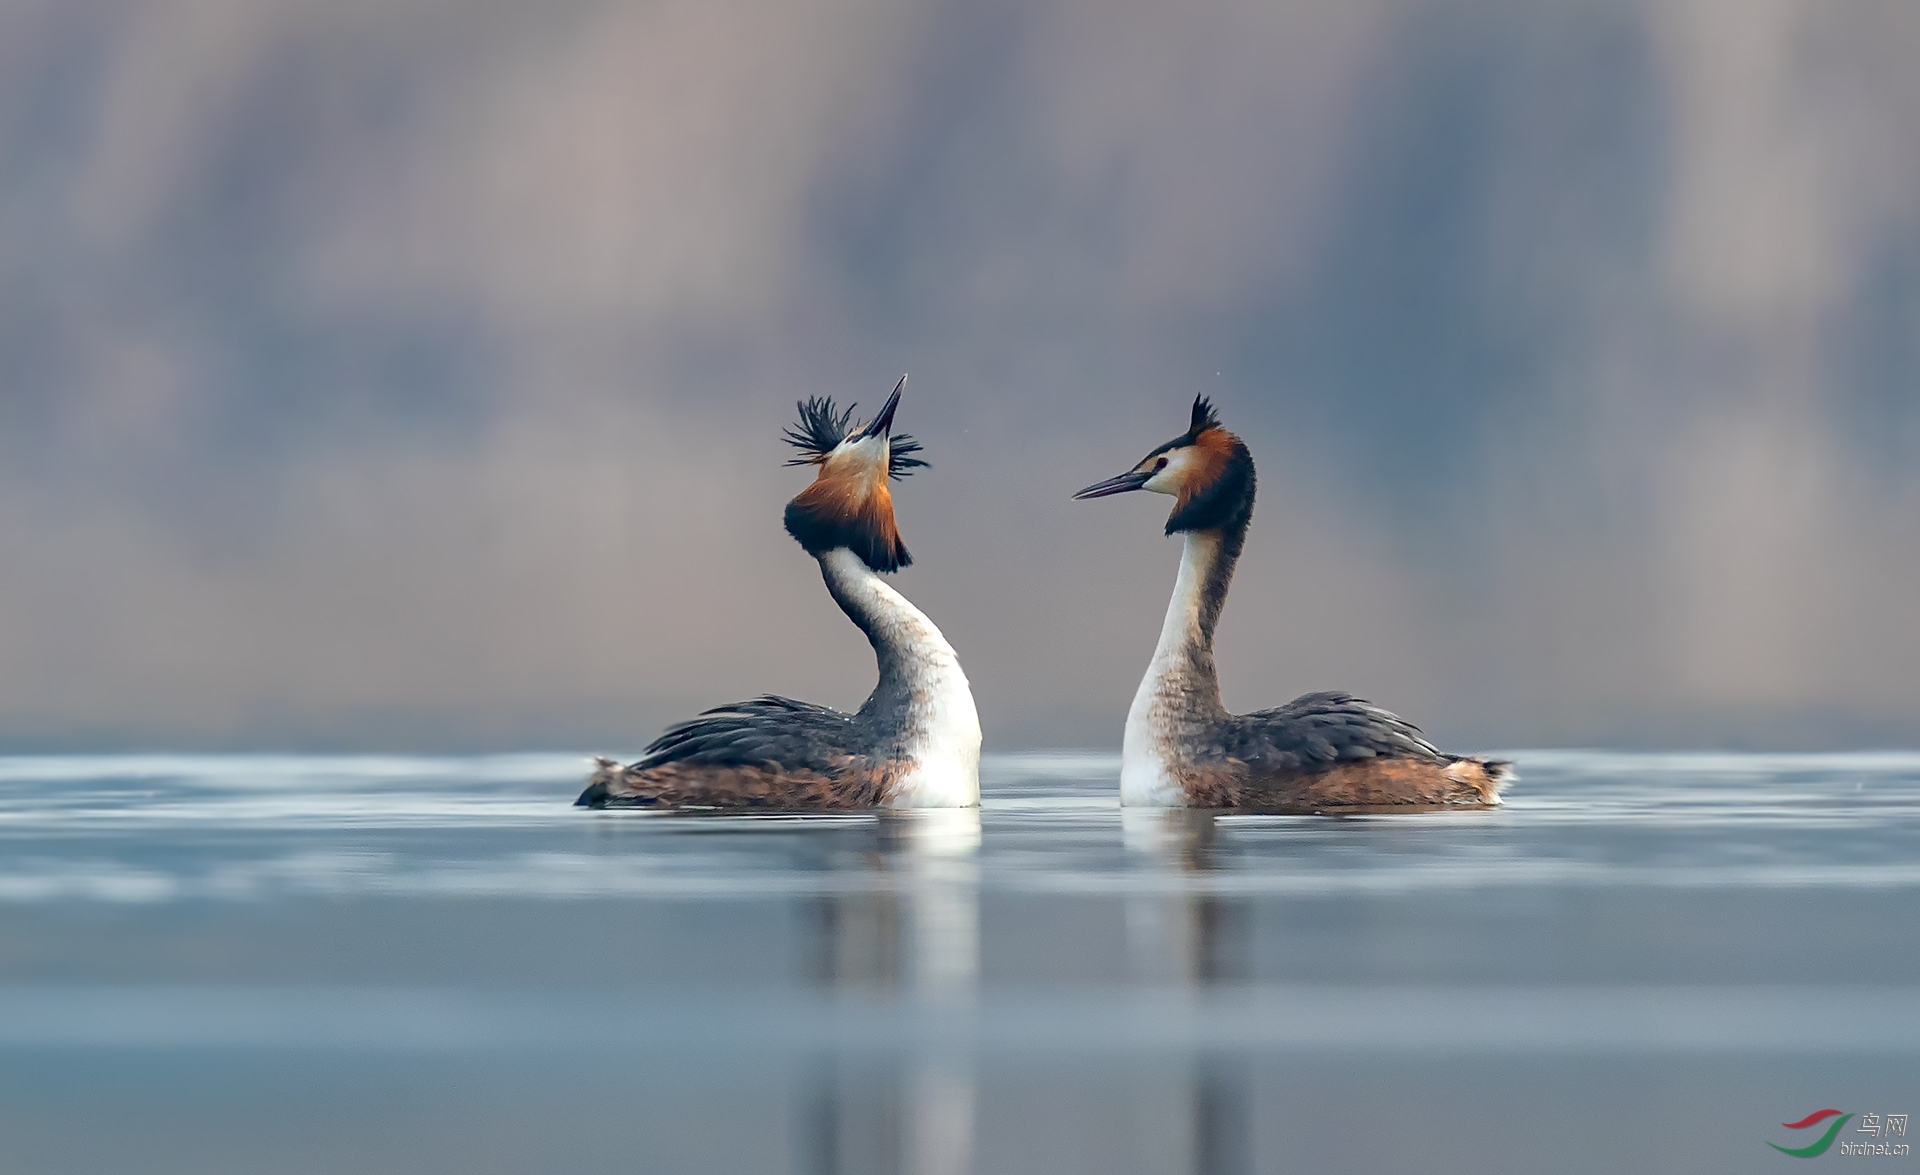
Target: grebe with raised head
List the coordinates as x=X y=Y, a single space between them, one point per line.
x=1321 y=752
x=915 y=743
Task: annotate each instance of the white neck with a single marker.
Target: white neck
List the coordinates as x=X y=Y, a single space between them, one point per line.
x=922 y=689
x=1146 y=777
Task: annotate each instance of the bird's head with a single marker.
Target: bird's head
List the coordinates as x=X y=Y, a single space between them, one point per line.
x=849 y=505
x=1206 y=469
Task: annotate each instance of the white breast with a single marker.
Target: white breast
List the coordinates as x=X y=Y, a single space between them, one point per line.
x=1146 y=776
x=943 y=732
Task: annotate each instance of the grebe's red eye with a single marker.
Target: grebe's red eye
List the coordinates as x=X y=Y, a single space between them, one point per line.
x=1159 y=465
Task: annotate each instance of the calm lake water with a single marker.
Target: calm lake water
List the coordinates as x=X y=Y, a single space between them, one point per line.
x=293 y=964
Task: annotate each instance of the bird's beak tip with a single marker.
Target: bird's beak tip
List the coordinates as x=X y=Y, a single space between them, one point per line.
x=1113 y=485
x=883 y=424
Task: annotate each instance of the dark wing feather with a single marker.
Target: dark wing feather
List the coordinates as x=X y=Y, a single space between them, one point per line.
x=1316 y=732
x=766 y=730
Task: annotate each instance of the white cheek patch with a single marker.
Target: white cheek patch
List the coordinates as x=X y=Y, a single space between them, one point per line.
x=1180 y=462
x=865 y=453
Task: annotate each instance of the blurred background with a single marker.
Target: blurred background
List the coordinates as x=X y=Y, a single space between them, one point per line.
x=409 y=374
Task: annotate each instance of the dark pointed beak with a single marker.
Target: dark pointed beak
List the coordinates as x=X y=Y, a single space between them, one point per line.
x=882 y=425
x=1112 y=486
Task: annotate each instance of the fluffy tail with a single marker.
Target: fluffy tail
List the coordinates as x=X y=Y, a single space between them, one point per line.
x=606 y=774
x=1485 y=777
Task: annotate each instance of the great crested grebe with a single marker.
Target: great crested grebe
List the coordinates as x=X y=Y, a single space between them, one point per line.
x=915 y=743
x=1322 y=752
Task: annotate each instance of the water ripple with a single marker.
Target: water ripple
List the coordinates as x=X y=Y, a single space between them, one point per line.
x=155 y=828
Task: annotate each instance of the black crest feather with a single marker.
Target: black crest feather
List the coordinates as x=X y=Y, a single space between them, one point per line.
x=819 y=430
x=1204 y=417
x=822 y=426
x=900 y=458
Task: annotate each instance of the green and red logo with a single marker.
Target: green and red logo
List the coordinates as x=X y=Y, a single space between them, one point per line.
x=1819 y=1145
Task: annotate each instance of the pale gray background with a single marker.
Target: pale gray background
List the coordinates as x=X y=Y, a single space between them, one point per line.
x=409 y=373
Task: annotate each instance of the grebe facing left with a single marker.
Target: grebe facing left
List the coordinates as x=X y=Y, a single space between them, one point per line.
x=915 y=743
x=1323 y=752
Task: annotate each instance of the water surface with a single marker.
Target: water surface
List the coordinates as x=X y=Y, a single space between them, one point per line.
x=286 y=963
